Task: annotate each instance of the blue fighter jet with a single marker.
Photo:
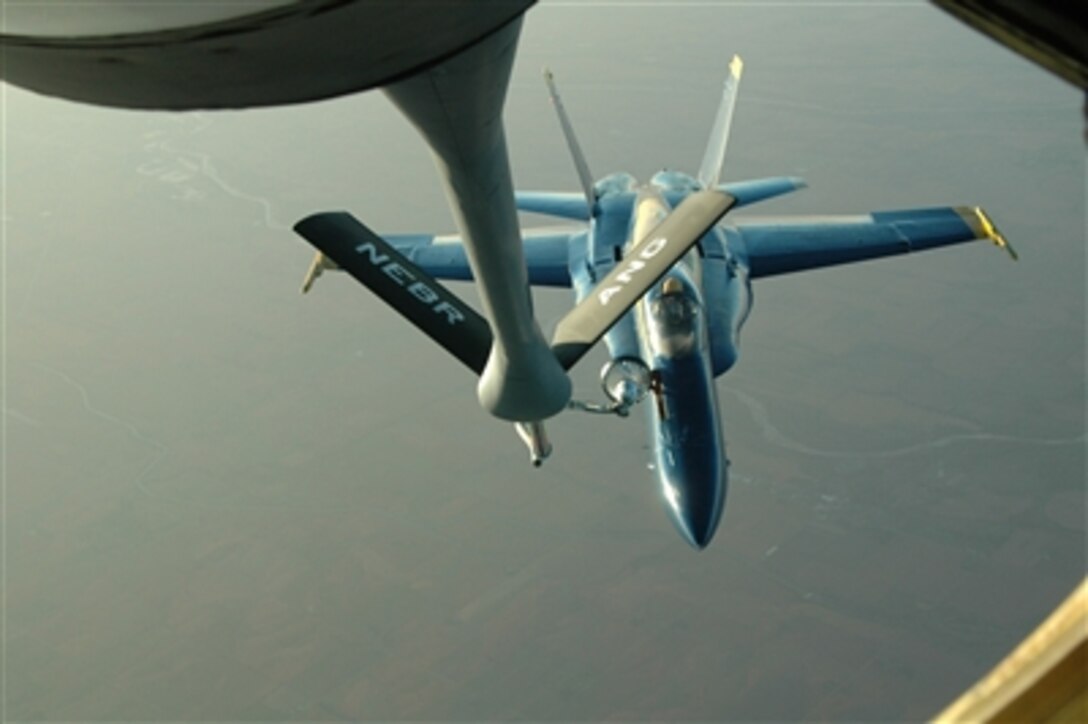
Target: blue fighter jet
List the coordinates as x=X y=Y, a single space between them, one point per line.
x=653 y=272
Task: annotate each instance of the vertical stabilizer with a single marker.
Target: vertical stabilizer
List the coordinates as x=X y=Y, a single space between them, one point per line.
x=711 y=169
x=584 y=176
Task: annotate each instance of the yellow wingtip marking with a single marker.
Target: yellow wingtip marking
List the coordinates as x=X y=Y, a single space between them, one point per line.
x=993 y=234
x=736 y=66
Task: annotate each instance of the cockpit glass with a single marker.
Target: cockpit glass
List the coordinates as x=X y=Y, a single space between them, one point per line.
x=675 y=318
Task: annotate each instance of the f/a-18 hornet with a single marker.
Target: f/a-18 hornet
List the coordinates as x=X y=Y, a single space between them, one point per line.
x=656 y=275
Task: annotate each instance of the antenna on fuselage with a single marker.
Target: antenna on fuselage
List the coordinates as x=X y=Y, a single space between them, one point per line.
x=711 y=169
x=580 y=165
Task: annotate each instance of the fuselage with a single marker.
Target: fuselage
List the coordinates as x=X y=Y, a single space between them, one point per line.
x=684 y=331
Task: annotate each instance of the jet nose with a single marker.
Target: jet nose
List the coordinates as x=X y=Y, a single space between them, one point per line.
x=697 y=533
x=697 y=522
x=694 y=491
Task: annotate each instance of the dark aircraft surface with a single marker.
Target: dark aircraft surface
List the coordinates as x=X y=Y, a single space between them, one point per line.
x=165 y=54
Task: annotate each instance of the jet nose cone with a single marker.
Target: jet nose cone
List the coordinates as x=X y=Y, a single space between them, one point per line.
x=697 y=536
x=698 y=522
x=695 y=497
x=694 y=485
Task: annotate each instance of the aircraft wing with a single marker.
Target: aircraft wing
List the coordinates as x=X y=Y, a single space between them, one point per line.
x=443 y=257
x=794 y=245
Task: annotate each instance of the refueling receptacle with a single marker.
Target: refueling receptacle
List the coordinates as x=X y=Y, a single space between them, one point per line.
x=626 y=382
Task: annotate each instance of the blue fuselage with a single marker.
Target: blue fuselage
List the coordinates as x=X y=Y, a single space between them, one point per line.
x=685 y=331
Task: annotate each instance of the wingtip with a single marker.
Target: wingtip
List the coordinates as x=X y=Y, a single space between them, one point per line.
x=989 y=231
x=736 y=67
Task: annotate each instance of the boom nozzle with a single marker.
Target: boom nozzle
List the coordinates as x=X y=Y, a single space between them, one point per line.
x=536 y=439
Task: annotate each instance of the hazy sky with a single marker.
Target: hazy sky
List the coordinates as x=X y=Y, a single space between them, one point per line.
x=226 y=501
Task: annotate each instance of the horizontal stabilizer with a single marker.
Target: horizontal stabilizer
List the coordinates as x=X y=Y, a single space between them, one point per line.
x=749 y=192
x=438 y=312
x=572 y=205
x=647 y=262
x=563 y=204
